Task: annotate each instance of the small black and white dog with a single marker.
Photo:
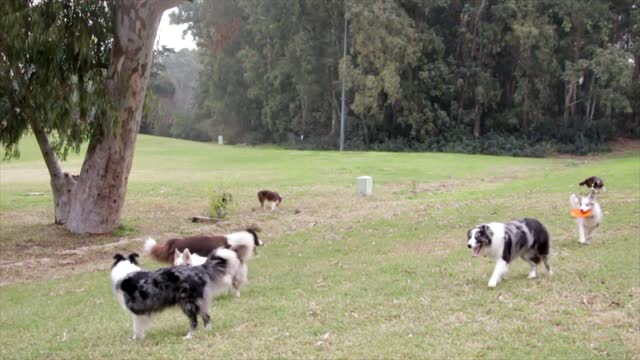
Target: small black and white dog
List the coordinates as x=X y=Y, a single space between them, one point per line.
x=191 y=287
x=526 y=238
x=594 y=183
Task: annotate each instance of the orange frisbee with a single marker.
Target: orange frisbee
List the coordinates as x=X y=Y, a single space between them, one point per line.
x=579 y=214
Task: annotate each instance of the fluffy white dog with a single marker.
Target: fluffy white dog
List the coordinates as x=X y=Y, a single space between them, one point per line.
x=586 y=225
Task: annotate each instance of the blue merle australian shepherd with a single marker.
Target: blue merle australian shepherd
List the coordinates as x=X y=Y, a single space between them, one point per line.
x=191 y=287
x=526 y=238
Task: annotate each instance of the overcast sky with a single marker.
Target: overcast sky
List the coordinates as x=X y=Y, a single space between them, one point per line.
x=171 y=35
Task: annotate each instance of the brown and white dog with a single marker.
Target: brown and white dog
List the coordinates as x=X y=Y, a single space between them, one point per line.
x=594 y=183
x=202 y=245
x=269 y=197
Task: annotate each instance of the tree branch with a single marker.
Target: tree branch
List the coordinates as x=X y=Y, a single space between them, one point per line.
x=49 y=156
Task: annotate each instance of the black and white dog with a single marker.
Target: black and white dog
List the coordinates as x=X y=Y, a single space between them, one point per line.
x=526 y=238
x=191 y=287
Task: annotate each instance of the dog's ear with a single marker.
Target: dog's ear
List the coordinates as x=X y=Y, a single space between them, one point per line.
x=574 y=201
x=177 y=254
x=186 y=256
x=117 y=258
x=133 y=258
x=487 y=230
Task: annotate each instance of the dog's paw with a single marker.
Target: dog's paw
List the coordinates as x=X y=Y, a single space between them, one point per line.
x=493 y=284
x=208 y=327
x=532 y=275
x=550 y=272
x=188 y=336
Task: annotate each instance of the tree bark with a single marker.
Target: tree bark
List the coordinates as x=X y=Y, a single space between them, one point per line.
x=568 y=91
x=98 y=197
x=335 y=114
x=476 y=120
x=62 y=183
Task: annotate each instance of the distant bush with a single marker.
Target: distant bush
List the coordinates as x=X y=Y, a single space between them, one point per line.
x=590 y=141
x=220 y=203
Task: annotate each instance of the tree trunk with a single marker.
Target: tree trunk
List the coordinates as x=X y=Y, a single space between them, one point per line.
x=476 y=120
x=591 y=101
x=335 y=114
x=577 y=53
x=568 y=91
x=97 y=199
x=62 y=183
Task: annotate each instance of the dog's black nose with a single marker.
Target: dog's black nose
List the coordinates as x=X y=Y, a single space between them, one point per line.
x=469 y=246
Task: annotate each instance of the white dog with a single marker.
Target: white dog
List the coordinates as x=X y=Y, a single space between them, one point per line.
x=239 y=275
x=586 y=225
x=187 y=258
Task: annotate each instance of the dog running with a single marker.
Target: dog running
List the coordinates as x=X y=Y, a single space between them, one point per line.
x=505 y=242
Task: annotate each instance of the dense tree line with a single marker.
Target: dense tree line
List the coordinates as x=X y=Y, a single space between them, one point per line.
x=510 y=76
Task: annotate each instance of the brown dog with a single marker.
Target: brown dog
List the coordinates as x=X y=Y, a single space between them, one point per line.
x=268 y=196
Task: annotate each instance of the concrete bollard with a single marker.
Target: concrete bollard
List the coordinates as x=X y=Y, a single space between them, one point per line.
x=220 y=142
x=365 y=185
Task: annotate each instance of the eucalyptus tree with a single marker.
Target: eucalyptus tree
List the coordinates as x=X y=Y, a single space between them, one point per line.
x=73 y=71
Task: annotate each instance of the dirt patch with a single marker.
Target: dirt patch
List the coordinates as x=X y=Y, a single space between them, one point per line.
x=46 y=251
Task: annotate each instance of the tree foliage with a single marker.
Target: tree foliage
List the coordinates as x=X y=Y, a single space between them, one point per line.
x=53 y=61
x=421 y=73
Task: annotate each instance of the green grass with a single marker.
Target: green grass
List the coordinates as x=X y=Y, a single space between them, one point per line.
x=387 y=276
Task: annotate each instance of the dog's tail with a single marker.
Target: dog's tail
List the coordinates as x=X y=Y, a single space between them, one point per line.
x=227 y=259
x=149 y=244
x=163 y=252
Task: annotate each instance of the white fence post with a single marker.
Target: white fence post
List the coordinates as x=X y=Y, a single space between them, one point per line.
x=220 y=142
x=365 y=185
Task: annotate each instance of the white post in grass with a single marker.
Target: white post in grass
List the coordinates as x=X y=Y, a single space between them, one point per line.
x=220 y=142
x=365 y=185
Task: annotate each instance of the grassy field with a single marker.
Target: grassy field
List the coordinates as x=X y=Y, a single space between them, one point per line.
x=340 y=276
